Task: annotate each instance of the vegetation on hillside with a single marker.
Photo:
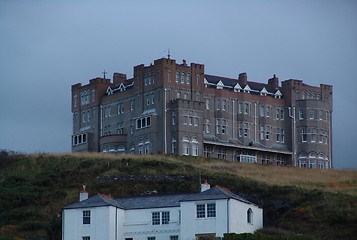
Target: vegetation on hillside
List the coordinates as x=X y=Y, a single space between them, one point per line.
x=298 y=203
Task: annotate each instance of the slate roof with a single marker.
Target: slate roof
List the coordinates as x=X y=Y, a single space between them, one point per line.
x=231 y=82
x=153 y=201
x=215 y=193
x=156 y=201
x=98 y=200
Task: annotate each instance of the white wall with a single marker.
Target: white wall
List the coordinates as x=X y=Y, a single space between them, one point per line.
x=238 y=217
x=138 y=224
x=102 y=224
x=231 y=217
x=191 y=225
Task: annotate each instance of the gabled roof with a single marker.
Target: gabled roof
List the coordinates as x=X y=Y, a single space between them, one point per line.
x=98 y=200
x=215 y=193
x=156 y=201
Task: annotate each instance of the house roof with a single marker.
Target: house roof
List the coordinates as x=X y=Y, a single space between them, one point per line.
x=231 y=83
x=156 y=201
x=215 y=193
x=99 y=200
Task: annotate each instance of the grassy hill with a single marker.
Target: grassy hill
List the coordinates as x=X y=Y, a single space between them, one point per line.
x=298 y=203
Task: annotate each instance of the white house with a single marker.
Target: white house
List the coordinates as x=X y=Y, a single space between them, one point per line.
x=213 y=211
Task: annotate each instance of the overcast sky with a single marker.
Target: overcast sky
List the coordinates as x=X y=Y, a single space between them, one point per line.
x=47 y=46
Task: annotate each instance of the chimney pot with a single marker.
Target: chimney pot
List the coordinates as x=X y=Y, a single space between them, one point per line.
x=83 y=195
x=205 y=186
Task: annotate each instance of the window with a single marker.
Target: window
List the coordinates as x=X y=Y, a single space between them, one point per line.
x=183 y=77
x=312 y=113
x=177 y=76
x=194 y=147
x=203 y=210
x=303 y=135
x=200 y=211
x=86 y=217
x=247 y=109
x=301 y=114
x=169 y=73
x=207 y=103
x=224 y=105
x=240 y=108
x=186 y=146
x=247 y=158
x=262 y=110
x=173 y=237
x=188 y=78
x=267 y=113
x=151 y=238
x=156 y=218
x=246 y=129
x=250 y=216
x=282 y=114
x=86 y=238
x=165 y=217
x=173 y=119
x=211 y=210
x=75 y=100
x=173 y=145
x=313 y=134
x=207 y=125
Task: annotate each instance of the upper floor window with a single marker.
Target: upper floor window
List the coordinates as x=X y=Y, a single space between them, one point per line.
x=207 y=103
x=301 y=114
x=177 y=76
x=151 y=238
x=188 y=78
x=169 y=75
x=206 y=210
x=312 y=113
x=86 y=217
x=247 y=108
x=75 y=100
x=240 y=108
x=164 y=216
x=86 y=238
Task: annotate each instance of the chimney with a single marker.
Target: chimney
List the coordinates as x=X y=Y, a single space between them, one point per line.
x=243 y=78
x=184 y=62
x=119 y=78
x=205 y=186
x=274 y=82
x=83 y=195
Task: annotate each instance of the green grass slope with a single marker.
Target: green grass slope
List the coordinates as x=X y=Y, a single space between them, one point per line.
x=34 y=188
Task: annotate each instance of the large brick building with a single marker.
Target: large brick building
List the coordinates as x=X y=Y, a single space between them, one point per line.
x=177 y=108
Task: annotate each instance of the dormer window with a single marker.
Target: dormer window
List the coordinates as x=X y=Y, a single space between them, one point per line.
x=220 y=85
x=263 y=92
x=237 y=88
x=247 y=89
x=278 y=94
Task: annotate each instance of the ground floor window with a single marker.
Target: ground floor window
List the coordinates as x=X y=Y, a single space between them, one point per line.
x=247 y=158
x=250 y=216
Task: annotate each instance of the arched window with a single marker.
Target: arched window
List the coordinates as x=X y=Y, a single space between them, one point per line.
x=173 y=145
x=140 y=146
x=302 y=160
x=183 y=78
x=194 y=145
x=250 y=216
x=147 y=145
x=186 y=145
x=178 y=76
x=312 y=160
x=188 y=78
